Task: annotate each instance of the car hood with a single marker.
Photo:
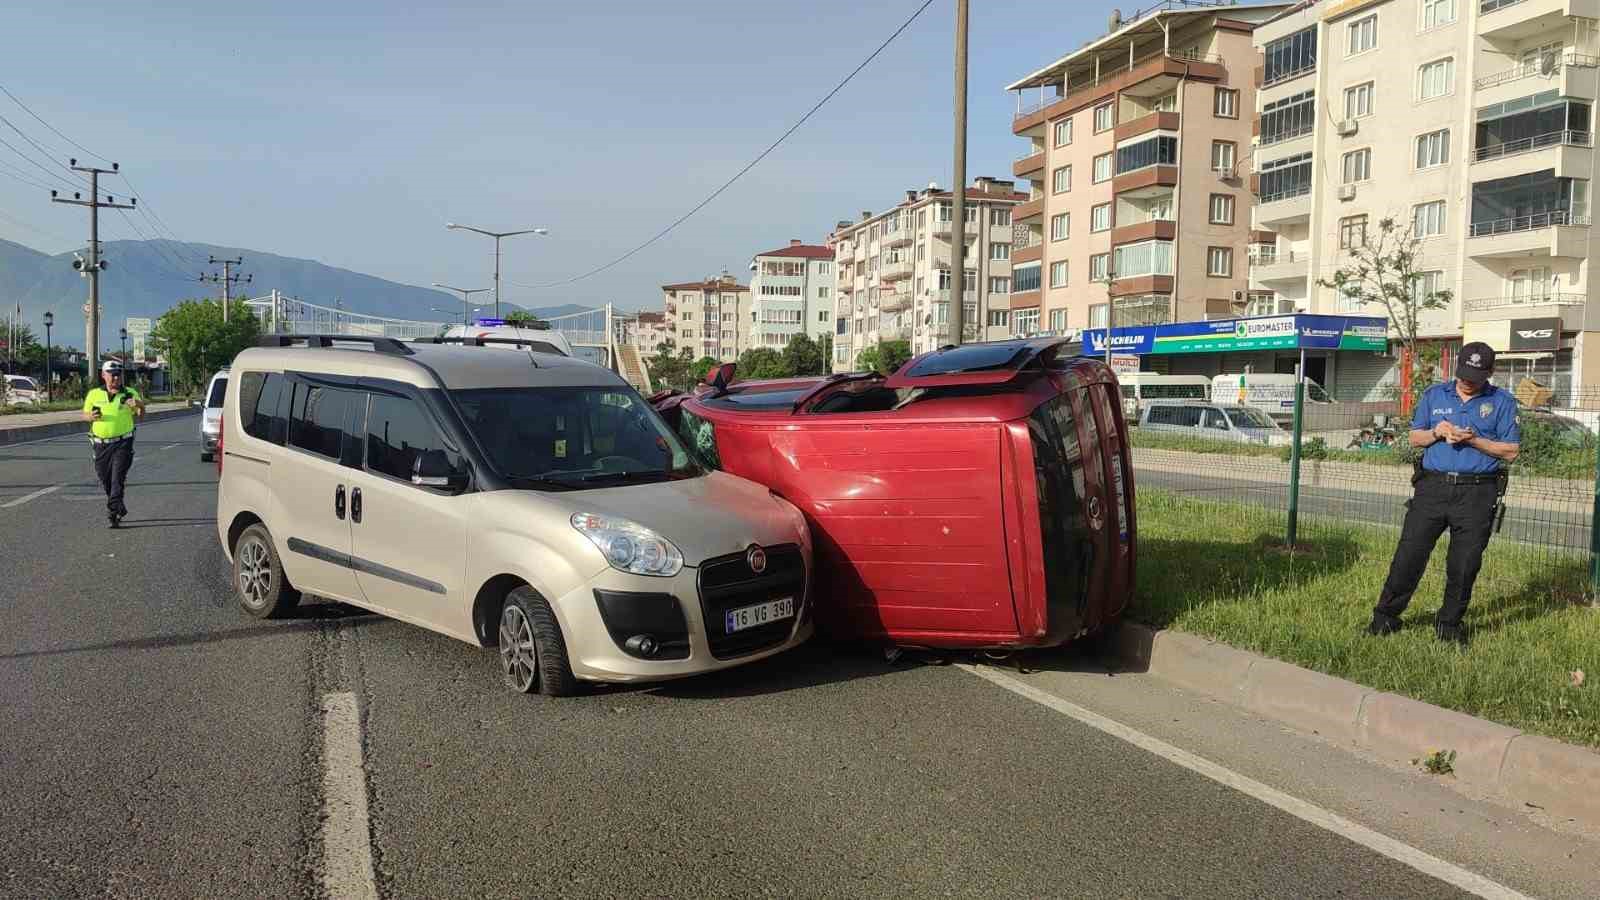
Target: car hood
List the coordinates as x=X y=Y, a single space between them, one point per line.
x=705 y=517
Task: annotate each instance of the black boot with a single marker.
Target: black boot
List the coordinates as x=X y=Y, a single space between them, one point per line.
x=1454 y=634
x=1383 y=625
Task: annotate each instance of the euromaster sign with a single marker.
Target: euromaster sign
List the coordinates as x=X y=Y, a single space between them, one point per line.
x=1369 y=333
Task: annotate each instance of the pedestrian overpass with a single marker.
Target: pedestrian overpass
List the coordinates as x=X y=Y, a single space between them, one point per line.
x=597 y=335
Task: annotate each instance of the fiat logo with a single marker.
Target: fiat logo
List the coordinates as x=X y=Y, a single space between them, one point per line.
x=1096 y=514
x=757 y=559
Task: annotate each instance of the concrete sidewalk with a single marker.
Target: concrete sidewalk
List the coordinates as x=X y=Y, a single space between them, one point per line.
x=23 y=427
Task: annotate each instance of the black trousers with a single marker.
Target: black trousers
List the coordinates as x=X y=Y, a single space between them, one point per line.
x=1467 y=510
x=111 y=462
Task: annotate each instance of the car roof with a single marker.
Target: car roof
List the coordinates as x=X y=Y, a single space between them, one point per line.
x=430 y=365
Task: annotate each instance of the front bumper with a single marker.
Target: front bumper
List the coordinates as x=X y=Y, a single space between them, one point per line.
x=208 y=441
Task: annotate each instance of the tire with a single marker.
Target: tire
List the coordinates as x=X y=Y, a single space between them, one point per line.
x=258 y=580
x=533 y=654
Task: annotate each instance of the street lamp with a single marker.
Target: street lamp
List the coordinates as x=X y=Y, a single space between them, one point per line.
x=497 y=235
x=49 y=322
x=123 y=332
x=468 y=292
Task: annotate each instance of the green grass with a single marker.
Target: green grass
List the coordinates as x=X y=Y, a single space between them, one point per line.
x=1220 y=569
x=56 y=406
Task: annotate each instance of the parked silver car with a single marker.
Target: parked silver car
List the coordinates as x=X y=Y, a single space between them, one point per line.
x=1213 y=422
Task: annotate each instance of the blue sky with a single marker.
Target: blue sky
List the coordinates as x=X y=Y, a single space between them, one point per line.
x=351 y=132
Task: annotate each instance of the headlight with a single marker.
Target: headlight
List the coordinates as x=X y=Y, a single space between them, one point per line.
x=629 y=547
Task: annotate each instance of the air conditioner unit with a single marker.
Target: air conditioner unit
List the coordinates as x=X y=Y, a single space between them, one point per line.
x=1238 y=295
x=1348 y=127
x=1225 y=173
x=1347 y=192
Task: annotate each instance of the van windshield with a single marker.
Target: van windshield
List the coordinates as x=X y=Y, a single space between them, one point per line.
x=574 y=438
x=1249 y=417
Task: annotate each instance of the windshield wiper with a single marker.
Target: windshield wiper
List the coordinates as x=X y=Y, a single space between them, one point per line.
x=647 y=475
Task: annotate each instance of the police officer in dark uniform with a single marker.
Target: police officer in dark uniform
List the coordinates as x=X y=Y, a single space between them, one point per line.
x=1469 y=429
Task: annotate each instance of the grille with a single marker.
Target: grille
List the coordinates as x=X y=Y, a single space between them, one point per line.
x=726 y=582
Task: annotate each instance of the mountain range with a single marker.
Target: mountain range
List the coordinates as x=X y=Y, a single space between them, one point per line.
x=145 y=278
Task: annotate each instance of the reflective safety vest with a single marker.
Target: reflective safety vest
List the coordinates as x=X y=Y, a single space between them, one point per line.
x=116 y=412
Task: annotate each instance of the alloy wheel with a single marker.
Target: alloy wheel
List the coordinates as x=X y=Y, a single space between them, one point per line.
x=519 y=660
x=255 y=573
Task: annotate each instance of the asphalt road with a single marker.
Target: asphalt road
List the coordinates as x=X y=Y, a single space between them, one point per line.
x=158 y=743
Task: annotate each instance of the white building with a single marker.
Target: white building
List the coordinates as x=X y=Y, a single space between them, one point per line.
x=791 y=292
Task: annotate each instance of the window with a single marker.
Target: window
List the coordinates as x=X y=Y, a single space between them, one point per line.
x=1100 y=217
x=1058 y=320
x=1437 y=12
x=1097 y=315
x=1025 y=278
x=822 y=293
x=1219 y=262
x=688 y=332
x=999 y=217
x=1358 y=165
x=1524 y=284
x=1225 y=103
x=1142 y=258
x=1058 y=274
x=1433 y=148
x=1061 y=180
x=1222 y=156
x=1362 y=35
x=1103 y=119
x=398 y=434
x=1289 y=56
x=999 y=284
x=1435 y=79
x=1098 y=265
x=822 y=268
x=999 y=251
x=999 y=318
x=1289 y=117
x=1427 y=219
x=822 y=317
x=1161 y=150
x=1064 y=132
x=1060 y=226
x=1352 y=232
x=1222 y=209
x=263 y=395
x=1428 y=284
x=317 y=419
x=1025 y=321
x=1102 y=168
x=1286 y=177
x=922 y=252
x=1358 y=101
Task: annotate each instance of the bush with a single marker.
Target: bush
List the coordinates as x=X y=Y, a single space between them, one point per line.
x=1316 y=448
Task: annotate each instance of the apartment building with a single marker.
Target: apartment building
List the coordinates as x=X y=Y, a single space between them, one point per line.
x=893 y=271
x=648 y=331
x=792 y=292
x=1467 y=121
x=711 y=317
x=1137 y=204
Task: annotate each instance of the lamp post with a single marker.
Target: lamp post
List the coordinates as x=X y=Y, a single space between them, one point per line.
x=466 y=294
x=497 y=235
x=49 y=322
x=123 y=333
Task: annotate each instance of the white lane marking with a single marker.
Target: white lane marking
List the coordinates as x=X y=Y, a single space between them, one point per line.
x=170 y=446
x=26 y=497
x=347 y=870
x=1423 y=862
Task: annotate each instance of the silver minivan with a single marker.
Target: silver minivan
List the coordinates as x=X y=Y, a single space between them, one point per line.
x=211 y=415
x=1213 y=422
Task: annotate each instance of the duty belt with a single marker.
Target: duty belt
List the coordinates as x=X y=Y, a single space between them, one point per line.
x=101 y=442
x=1463 y=477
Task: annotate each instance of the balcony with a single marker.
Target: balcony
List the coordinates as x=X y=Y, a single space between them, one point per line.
x=942 y=229
x=1030 y=209
x=1267 y=265
x=1154 y=229
x=1030 y=165
x=894 y=302
x=1031 y=253
x=895 y=271
x=1569 y=153
x=1282 y=207
x=1555 y=233
x=1149 y=176
x=1141 y=284
x=1513 y=20
x=1025 y=299
x=900 y=237
x=1156 y=121
x=1571 y=309
x=1202 y=66
x=1564 y=72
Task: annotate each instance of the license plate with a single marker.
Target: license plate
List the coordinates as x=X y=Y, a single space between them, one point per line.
x=759 y=614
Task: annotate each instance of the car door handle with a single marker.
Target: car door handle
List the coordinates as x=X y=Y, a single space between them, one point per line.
x=355 y=505
x=338 y=501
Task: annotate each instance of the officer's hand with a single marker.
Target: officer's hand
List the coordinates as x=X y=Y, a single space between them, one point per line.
x=1459 y=436
x=1443 y=431
x=95 y=413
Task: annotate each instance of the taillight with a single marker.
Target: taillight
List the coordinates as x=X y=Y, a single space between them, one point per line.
x=221 y=432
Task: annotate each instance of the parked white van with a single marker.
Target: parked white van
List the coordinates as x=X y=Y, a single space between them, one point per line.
x=1137 y=387
x=1270 y=392
x=542 y=340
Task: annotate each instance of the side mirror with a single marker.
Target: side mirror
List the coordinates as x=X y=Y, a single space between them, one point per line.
x=432 y=469
x=721 y=376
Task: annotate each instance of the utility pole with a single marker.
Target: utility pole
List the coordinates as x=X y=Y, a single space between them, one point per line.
x=94 y=265
x=466 y=298
x=958 y=208
x=226 y=279
x=498 y=236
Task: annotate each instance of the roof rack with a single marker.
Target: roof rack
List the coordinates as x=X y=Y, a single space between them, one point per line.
x=471 y=341
x=324 y=341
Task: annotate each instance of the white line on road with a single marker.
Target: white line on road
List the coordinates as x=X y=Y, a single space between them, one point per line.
x=170 y=446
x=347 y=870
x=26 y=497
x=1423 y=862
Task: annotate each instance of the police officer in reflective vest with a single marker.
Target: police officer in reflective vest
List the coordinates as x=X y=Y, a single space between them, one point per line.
x=110 y=412
x=1469 y=429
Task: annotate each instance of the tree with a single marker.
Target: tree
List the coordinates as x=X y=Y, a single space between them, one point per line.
x=17 y=358
x=196 y=342
x=803 y=357
x=1383 y=272
x=700 y=368
x=670 y=370
x=893 y=354
x=763 y=362
x=868 y=359
x=523 y=319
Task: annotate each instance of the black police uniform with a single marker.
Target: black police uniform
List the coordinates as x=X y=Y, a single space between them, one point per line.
x=1456 y=489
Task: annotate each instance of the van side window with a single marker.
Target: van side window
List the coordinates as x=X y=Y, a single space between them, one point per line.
x=398 y=431
x=317 y=419
x=1187 y=416
x=260 y=404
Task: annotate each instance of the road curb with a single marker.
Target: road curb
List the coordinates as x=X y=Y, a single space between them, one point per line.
x=1561 y=779
x=61 y=429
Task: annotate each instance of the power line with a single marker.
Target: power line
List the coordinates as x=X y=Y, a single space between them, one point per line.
x=52 y=127
x=752 y=164
x=71 y=186
x=47 y=154
x=6 y=169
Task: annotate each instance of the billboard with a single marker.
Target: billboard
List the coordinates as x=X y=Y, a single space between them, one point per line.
x=1310 y=332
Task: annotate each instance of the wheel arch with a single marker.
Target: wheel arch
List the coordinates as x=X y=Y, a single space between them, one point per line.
x=488 y=604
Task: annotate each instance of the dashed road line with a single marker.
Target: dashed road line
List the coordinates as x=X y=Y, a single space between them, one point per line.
x=170 y=446
x=26 y=497
x=346 y=830
x=1423 y=862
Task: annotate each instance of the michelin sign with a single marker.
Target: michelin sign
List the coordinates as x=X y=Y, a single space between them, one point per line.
x=1369 y=333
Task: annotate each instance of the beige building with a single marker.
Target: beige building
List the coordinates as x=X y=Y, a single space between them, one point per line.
x=1467 y=121
x=710 y=317
x=893 y=271
x=1137 y=194
x=648 y=331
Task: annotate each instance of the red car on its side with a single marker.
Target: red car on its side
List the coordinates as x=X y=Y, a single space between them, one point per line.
x=979 y=497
